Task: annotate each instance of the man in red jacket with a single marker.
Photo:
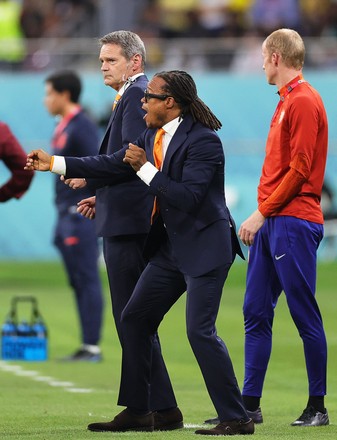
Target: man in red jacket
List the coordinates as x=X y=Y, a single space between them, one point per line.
x=285 y=230
x=14 y=157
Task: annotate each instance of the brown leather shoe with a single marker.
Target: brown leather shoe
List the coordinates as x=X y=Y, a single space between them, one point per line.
x=125 y=421
x=235 y=427
x=168 y=420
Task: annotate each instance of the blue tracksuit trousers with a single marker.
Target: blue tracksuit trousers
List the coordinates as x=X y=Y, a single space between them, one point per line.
x=283 y=258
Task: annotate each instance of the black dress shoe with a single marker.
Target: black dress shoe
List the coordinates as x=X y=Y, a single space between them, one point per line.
x=168 y=420
x=256 y=416
x=214 y=421
x=235 y=427
x=125 y=421
x=312 y=417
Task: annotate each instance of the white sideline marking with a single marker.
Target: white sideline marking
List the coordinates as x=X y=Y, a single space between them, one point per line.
x=43 y=379
x=34 y=375
x=78 y=390
x=6 y=367
x=26 y=373
x=59 y=383
x=191 y=425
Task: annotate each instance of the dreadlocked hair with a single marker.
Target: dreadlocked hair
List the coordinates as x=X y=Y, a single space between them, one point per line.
x=181 y=86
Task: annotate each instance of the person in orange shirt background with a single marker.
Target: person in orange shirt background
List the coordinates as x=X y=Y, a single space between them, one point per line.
x=285 y=231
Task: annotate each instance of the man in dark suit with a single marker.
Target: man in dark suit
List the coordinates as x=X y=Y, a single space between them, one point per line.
x=122 y=210
x=189 y=248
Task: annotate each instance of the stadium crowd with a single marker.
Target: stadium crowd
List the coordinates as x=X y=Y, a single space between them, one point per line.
x=25 y=22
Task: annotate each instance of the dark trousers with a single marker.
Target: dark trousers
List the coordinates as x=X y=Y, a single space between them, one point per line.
x=76 y=239
x=125 y=263
x=159 y=287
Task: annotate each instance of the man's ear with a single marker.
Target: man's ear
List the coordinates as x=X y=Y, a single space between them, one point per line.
x=170 y=102
x=275 y=58
x=136 y=60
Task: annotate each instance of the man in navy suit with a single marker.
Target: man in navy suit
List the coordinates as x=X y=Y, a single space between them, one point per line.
x=122 y=210
x=189 y=248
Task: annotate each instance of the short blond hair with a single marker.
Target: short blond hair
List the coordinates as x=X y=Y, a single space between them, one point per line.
x=289 y=44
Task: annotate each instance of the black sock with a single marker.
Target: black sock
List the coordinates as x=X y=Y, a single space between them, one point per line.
x=251 y=403
x=317 y=402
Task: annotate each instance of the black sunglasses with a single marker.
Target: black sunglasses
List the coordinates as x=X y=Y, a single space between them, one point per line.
x=148 y=95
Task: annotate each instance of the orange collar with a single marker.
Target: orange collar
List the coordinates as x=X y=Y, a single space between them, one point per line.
x=285 y=90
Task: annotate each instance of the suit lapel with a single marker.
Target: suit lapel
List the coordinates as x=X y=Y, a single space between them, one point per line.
x=103 y=148
x=105 y=141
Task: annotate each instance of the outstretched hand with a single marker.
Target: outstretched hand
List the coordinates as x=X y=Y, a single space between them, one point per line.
x=38 y=160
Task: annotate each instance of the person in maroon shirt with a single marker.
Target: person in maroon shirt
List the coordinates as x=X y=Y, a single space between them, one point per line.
x=14 y=157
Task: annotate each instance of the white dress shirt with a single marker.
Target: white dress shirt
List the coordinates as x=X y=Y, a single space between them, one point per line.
x=148 y=171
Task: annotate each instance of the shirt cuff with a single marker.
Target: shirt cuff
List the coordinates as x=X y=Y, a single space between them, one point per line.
x=147 y=172
x=58 y=165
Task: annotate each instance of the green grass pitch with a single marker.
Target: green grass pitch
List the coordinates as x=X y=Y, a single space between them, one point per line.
x=55 y=401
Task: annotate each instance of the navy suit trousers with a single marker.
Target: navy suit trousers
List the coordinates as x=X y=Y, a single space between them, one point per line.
x=125 y=263
x=159 y=287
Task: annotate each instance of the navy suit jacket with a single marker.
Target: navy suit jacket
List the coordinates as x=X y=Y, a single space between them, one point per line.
x=123 y=207
x=190 y=191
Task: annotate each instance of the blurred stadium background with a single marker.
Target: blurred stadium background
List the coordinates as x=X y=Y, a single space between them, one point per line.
x=217 y=41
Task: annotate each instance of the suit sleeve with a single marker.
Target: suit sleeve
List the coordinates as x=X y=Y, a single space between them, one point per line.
x=102 y=166
x=14 y=157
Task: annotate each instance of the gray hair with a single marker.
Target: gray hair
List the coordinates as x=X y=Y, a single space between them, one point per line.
x=130 y=43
